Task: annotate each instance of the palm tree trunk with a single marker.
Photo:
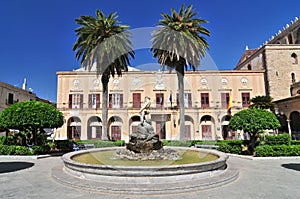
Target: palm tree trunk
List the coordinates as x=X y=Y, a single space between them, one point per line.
x=104 y=109
x=181 y=105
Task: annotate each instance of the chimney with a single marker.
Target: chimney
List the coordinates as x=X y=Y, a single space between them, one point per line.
x=24 y=85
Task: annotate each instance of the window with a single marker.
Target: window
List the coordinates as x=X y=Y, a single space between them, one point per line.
x=245 y=99
x=136 y=98
x=224 y=100
x=159 y=100
x=74 y=132
x=10 y=99
x=294 y=58
x=116 y=100
x=76 y=101
x=94 y=101
x=116 y=132
x=204 y=100
x=187 y=98
x=290 y=39
x=249 y=67
x=293 y=77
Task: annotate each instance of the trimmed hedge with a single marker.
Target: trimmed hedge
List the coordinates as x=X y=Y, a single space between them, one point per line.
x=101 y=143
x=277 y=150
x=206 y=142
x=231 y=146
x=177 y=143
x=282 y=139
x=40 y=150
x=14 y=150
x=295 y=142
x=2 y=140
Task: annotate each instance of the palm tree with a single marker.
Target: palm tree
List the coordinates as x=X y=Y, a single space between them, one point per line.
x=262 y=102
x=178 y=44
x=104 y=43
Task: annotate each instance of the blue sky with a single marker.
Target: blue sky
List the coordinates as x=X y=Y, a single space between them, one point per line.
x=37 y=36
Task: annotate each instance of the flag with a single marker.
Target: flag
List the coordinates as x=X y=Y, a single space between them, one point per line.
x=170 y=98
x=161 y=96
x=229 y=102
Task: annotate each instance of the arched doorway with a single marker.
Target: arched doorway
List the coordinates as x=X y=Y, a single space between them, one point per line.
x=133 y=123
x=283 y=123
x=189 y=127
x=94 y=130
x=74 y=128
x=295 y=122
x=207 y=125
x=225 y=129
x=115 y=128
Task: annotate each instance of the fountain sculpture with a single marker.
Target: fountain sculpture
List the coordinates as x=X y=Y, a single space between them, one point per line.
x=145 y=140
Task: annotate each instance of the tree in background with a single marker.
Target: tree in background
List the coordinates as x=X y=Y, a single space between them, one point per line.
x=262 y=102
x=179 y=43
x=253 y=121
x=104 y=43
x=31 y=117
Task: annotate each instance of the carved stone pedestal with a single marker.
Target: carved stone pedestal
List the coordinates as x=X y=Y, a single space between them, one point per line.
x=145 y=140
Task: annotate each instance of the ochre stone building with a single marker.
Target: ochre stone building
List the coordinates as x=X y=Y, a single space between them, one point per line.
x=206 y=99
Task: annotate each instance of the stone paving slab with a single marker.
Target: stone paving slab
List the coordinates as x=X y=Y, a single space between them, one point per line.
x=275 y=179
x=117 y=186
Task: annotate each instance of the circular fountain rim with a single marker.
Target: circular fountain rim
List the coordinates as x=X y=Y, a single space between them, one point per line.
x=68 y=157
x=131 y=171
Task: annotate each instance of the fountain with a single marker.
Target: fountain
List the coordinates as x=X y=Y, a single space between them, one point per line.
x=145 y=166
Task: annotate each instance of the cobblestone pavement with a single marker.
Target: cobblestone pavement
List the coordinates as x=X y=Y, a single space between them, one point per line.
x=268 y=178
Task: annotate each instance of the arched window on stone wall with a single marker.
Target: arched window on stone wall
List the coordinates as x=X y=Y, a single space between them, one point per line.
x=293 y=77
x=294 y=58
x=249 y=67
x=290 y=39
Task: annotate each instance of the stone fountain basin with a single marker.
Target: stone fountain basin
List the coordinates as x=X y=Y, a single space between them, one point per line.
x=94 y=171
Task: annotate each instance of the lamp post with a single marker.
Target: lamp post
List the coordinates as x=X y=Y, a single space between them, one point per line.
x=289 y=126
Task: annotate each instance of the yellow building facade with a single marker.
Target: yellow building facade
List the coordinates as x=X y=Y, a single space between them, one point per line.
x=206 y=99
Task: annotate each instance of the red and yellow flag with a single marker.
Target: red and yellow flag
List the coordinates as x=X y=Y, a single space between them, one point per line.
x=229 y=102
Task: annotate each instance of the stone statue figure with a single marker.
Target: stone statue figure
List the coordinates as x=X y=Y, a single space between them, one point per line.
x=144 y=109
x=145 y=139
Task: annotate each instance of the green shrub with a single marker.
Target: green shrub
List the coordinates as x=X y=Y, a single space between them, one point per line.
x=177 y=143
x=264 y=151
x=4 y=149
x=206 y=142
x=38 y=150
x=295 y=142
x=119 y=143
x=295 y=150
x=63 y=145
x=229 y=148
x=277 y=150
x=22 y=150
x=278 y=140
x=2 y=140
x=11 y=150
x=165 y=142
x=101 y=143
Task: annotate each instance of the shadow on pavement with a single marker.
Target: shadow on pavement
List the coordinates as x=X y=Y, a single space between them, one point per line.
x=6 y=167
x=294 y=166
